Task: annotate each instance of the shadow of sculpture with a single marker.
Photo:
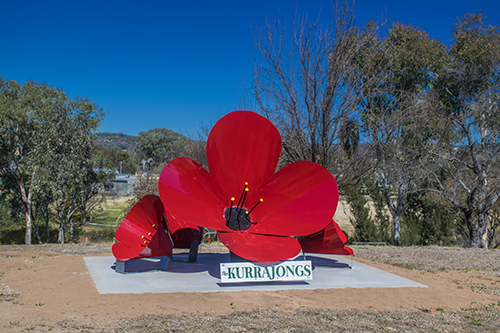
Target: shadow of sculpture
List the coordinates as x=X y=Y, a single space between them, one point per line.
x=211 y=263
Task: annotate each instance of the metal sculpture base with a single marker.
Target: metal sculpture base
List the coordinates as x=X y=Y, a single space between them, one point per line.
x=193 y=251
x=122 y=266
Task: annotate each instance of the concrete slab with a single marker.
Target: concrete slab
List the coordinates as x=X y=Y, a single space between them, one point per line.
x=204 y=276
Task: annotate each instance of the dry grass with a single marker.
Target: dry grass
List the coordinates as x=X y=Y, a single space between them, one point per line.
x=324 y=320
x=434 y=258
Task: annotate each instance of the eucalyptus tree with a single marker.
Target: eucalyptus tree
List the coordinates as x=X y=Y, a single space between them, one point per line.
x=20 y=105
x=45 y=138
x=160 y=145
x=70 y=163
x=467 y=95
x=393 y=110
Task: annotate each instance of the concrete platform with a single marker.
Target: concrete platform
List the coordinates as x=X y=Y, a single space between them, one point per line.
x=204 y=276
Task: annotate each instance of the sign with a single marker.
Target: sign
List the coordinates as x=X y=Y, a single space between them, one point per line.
x=254 y=272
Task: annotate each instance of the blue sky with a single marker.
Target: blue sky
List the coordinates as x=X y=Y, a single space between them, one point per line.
x=173 y=64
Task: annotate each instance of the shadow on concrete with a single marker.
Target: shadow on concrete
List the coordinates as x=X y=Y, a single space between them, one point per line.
x=211 y=263
x=326 y=262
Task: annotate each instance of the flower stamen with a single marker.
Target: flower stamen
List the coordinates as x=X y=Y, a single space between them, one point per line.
x=242 y=195
x=231 y=208
x=255 y=205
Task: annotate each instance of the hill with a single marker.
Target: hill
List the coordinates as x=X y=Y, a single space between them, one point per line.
x=118 y=141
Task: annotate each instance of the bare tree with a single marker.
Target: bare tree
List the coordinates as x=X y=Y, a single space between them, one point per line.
x=305 y=84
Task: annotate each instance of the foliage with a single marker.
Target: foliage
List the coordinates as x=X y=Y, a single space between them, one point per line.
x=15 y=234
x=116 y=160
x=364 y=227
x=46 y=150
x=381 y=218
x=160 y=145
x=429 y=220
x=98 y=235
x=7 y=218
x=392 y=111
x=465 y=100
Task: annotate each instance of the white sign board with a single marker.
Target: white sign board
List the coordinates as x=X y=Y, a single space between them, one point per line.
x=253 y=272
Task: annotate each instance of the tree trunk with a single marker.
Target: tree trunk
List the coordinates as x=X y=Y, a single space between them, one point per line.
x=482 y=230
x=397 y=231
x=35 y=229
x=29 y=225
x=28 y=210
x=48 y=230
x=60 y=239
x=62 y=226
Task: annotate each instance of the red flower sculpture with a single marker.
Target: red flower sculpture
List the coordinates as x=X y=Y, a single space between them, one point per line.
x=144 y=232
x=330 y=240
x=254 y=210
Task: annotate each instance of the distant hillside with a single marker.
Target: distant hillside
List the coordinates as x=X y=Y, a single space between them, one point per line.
x=118 y=141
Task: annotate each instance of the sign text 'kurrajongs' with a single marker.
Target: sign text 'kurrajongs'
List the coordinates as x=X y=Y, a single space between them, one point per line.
x=284 y=271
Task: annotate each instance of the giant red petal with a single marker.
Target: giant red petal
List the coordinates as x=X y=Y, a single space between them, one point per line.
x=123 y=252
x=299 y=199
x=143 y=220
x=160 y=245
x=329 y=241
x=260 y=248
x=242 y=147
x=143 y=232
x=190 y=194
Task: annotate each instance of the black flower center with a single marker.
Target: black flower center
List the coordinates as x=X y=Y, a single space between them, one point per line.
x=238 y=218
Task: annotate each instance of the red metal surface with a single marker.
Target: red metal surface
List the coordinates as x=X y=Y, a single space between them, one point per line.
x=143 y=233
x=190 y=194
x=299 y=199
x=330 y=240
x=182 y=232
x=261 y=248
x=243 y=148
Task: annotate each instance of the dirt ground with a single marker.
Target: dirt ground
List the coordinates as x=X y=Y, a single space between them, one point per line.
x=48 y=288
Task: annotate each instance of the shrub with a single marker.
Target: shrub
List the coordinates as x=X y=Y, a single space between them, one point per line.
x=98 y=235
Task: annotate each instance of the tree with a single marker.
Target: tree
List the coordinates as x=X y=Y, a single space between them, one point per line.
x=111 y=158
x=71 y=166
x=466 y=104
x=160 y=145
x=429 y=219
x=45 y=141
x=304 y=83
x=364 y=227
x=393 y=113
